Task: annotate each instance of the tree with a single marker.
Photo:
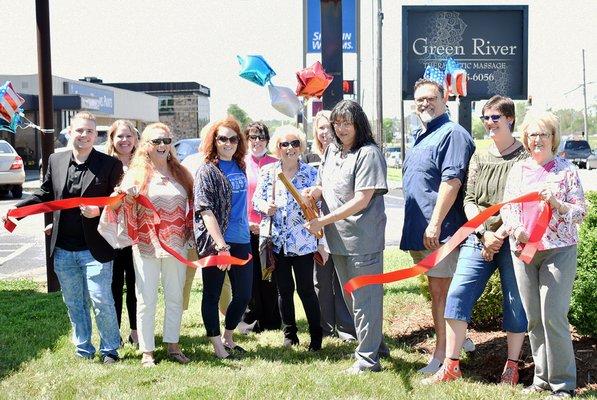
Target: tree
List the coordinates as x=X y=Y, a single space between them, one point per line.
x=240 y=115
x=388 y=130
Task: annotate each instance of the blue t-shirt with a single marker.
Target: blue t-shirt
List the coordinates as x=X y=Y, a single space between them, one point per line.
x=439 y=154
x=238 y=225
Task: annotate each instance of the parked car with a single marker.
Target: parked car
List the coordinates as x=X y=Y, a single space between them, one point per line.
x=12 y=171
x=575 y=150
x=186 y=147
x=591 y=162
x=393 y=157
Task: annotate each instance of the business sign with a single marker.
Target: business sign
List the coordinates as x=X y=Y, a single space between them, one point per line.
x=104 y=99
x=349 y=33
x=490 y=43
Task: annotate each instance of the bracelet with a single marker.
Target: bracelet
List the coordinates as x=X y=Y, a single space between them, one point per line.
x=225 y=247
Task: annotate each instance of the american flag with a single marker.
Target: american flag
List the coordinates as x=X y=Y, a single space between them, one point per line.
x=10 y=101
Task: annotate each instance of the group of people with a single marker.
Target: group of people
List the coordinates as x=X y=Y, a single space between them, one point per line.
x=228 y=199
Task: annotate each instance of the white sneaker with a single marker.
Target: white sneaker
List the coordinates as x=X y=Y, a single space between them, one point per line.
x=468 y=346
x=431 y=368
x=245 y=328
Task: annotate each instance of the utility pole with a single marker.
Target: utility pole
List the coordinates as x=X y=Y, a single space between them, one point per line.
x=46 y=113
x=331 y=50
x=378 y=83
x=584 y=94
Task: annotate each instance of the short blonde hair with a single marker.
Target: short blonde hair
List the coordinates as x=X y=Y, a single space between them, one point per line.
x=282 y=131
x=84 y=115
x=547 y=122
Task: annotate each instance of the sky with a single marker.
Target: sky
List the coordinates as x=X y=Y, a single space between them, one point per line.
x=167 y=40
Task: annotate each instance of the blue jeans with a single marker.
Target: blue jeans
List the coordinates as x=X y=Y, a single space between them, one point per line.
x=241 y=280
x=470 y=279
x=87 y=282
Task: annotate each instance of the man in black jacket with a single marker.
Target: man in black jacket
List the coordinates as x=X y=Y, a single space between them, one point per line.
x=82 y=258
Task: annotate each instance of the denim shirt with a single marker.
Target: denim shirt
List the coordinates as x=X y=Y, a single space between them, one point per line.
x=439 y=154
x=288 y=234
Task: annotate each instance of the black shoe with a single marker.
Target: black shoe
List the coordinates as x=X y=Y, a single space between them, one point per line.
x=291 y=341
x=236 y=349
x=110 y=359
x=315 y=344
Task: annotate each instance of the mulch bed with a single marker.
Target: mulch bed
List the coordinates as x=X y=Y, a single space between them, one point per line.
x=487 y=361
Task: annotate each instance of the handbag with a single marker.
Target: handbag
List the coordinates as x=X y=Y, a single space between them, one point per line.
x=113 y=228
x=266 y=247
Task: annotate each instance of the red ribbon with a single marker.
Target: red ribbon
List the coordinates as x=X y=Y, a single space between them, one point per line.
x=57 y=205
x=459 y=236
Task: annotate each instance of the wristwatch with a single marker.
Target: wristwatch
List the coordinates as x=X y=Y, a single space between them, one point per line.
x=225 y=247
x=480 y=232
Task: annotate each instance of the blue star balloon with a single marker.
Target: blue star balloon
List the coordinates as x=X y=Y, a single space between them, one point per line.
x=255 y=69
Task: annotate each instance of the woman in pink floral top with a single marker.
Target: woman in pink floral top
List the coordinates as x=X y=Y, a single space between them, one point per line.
x=545 y=284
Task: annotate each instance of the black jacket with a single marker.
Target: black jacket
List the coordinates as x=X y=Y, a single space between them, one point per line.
x=103 y=174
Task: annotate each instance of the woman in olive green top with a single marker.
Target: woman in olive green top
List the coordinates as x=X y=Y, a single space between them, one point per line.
x=486 y=250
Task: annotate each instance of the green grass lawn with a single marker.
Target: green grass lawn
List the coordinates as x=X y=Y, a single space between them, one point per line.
x=394 y=174
x=37 y=360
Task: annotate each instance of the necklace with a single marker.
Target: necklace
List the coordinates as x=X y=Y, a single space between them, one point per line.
x=504 y=150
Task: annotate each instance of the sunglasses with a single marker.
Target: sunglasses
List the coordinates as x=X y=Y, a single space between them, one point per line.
x=256 y=138
x=226 y=139
x=165 y=140
x=294 y=143
x=494 y=118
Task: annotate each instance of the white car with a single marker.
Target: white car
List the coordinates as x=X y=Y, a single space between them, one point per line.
x=592 y=160
x=393 y=157
x=12 y=171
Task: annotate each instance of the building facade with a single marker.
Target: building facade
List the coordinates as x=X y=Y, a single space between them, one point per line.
x=70 y=96
x=183 y=106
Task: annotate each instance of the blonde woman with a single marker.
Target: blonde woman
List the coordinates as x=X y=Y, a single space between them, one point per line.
x=335 y=317
x=545 y=284
x=155 y=172
x=122 y=143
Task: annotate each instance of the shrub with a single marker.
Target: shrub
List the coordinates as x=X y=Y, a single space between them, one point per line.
x=583 y=305
x=488 y=311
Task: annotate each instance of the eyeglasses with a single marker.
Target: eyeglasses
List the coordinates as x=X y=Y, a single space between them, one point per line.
x=294 y=143
x=158 y=141
x=494 y=118
x=226 y=139
x=421 y=100
x=255 y=138
x=342 y=125
x=540 y=135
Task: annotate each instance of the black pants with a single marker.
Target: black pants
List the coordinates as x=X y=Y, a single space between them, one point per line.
x=303 y=274
x=241 y=282
x=263 y=306
x=124 y=271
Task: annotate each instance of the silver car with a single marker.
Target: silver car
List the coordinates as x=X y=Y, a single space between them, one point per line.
x=12 y=172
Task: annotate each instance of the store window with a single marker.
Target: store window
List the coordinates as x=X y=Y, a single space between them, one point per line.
x=166 y=105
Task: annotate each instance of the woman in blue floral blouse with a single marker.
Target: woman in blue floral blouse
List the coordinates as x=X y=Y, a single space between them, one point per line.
x=293 y=244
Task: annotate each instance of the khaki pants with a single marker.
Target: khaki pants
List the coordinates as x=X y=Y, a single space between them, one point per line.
x=225 y=297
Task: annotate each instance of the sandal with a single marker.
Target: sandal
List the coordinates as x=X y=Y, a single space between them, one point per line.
x=179 y=358
x=147 y=361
